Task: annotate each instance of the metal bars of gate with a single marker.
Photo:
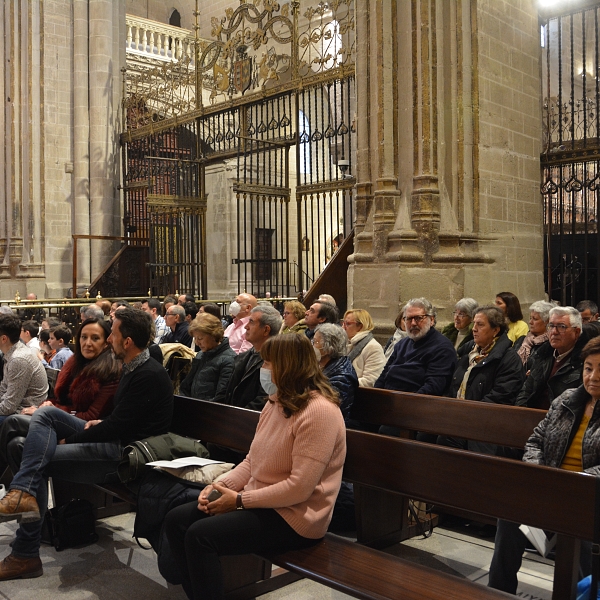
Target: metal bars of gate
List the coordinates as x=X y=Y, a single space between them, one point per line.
x=324 y=194
x=570 y=157
x=262 y=204
x=165 y=202
x=262 y=246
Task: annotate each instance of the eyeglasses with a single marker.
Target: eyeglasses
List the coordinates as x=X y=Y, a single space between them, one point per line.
x=348 y=323
x=560 y=327
x=460 y=315
x=418 y=319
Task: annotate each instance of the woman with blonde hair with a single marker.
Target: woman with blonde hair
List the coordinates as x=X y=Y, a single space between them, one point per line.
x=293 y=317
x=364 y=351
x=281 y=497
x=213 y=365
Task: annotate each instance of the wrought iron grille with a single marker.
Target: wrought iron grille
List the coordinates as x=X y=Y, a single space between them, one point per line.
x=274 y=88
x=165 y=202
x=571 y=155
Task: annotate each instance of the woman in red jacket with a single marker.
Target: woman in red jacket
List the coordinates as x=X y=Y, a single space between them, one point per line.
x=88 y=381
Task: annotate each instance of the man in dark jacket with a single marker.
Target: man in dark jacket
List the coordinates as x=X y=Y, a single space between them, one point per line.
x=244 y=388
x=175 y=319
x=424 y=361
x=61 y=445
x=557 y=365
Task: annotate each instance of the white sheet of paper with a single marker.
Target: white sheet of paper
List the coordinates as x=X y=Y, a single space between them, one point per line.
x=188 y=461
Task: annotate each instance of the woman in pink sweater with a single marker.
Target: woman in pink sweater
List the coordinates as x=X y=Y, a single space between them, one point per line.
x=281 y=496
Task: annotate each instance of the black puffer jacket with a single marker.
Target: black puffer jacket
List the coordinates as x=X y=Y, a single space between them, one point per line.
x=244 y=388
x=210 y=373
x=497 y=378
x=343 y=378
x=533 y=393
x=551 y=439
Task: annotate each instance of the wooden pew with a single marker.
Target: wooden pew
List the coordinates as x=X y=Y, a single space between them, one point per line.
x=485 y=485
x=386 y=522
x=479 y=421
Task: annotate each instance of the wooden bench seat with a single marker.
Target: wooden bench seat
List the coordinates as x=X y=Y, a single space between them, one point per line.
x=363 y=572
x=393 y=467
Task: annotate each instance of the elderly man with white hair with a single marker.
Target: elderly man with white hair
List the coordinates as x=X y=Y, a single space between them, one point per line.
x=557 y=366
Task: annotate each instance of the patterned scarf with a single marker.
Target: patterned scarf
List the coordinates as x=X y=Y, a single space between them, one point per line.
x=476 y=355
x=528 y=343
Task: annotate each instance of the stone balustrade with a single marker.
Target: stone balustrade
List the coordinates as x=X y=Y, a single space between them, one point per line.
x=157 y=40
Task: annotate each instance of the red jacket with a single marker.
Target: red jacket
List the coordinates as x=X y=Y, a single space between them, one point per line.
x=90 y=399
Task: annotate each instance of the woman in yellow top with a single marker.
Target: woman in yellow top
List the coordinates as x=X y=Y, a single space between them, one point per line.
x=567 y=438
x=509 y=304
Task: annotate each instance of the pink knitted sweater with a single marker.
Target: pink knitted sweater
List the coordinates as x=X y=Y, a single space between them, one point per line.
x=295 y=465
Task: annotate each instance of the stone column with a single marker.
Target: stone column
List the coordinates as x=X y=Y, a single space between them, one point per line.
x=81 y=139
x=449 y=128
x=21 y=193
x=425 y=199
x=105 y=62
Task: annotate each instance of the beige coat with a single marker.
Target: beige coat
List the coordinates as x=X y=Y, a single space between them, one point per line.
x=370 y=362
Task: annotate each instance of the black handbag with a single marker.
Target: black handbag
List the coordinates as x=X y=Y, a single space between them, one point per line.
x=71 y=525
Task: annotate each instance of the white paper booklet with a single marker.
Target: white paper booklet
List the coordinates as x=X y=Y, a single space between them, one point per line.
x=188 y=461
x=539 y=540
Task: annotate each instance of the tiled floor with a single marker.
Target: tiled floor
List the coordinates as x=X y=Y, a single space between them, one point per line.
x=116 y=568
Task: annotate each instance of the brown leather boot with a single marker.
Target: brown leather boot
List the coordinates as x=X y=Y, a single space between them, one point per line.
x=13 y=567
x=20 y=506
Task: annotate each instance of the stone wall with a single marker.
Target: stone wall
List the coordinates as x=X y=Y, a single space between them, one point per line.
x=448 y=197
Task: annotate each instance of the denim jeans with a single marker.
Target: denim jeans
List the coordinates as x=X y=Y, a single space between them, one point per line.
x=43 y=457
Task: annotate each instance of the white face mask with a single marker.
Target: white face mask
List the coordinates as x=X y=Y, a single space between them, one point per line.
x=267 y=382
x=317 y=353
x=234 y=308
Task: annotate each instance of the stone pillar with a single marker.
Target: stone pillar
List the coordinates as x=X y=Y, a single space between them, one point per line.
x=21 y=191
x=81 y=140
x=449 y=128
x=105 y=62
x=425 y=199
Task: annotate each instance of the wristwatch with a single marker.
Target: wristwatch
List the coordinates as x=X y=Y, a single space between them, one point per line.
x=238 y=502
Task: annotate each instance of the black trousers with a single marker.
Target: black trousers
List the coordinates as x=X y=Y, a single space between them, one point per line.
x=197 y=540
x=509 y=547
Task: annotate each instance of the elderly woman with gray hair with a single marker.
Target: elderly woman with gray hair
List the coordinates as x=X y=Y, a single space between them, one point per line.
x=330 y=342
x=460 y=331
x=528 y=345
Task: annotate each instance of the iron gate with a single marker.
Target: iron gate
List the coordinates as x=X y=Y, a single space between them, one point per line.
x=571 y=155
x=279 y=98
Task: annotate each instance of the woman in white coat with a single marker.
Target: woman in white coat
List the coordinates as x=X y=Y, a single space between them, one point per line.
x=364 y=351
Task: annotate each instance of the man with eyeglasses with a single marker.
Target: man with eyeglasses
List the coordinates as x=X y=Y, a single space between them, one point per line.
x=557 y=364
x=588 y=310
x=425 y=360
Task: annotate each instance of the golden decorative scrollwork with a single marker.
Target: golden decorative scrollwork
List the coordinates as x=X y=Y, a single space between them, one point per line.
x=262 y=45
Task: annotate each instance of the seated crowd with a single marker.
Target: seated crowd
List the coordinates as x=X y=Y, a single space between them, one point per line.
x=303 y=369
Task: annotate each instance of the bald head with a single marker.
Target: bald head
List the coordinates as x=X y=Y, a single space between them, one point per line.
x=247 y=303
